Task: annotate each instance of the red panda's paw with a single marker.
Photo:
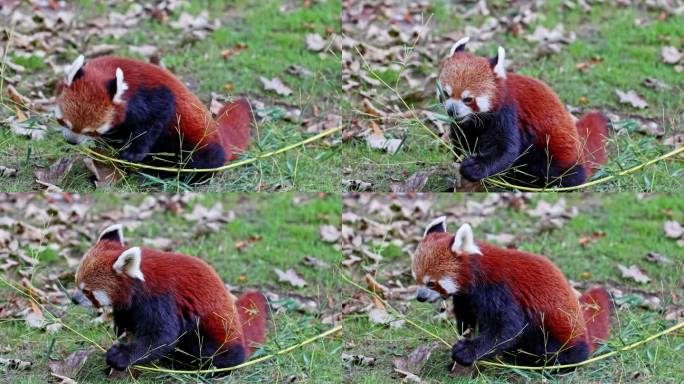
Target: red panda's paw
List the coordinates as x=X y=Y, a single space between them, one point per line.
x=134 y=157
x=472 y=169
x=118 y=357
x=464 y=353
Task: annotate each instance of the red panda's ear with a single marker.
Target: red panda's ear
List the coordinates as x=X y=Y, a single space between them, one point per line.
x=117 y=86
x=129 y=263
x=436 y=225
x=75 y=70
x=459 y=46
x=464 y=242
x=498 y=64
x=112 y=233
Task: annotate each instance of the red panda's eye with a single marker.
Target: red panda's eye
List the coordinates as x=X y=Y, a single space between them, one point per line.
x=431 y=285
x=467 y=100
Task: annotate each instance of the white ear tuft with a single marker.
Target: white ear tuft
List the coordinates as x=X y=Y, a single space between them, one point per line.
x=436 y=225
x=500 y=67
x=463 y=241
x=113 y=232
x=72 y=69
x=129 y=263
x=459 y=46
x=121 y=87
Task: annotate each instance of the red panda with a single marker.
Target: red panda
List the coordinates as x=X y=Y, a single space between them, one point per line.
x=515 y=123
x=147 y=114
x=522 y=305
x=175 y=306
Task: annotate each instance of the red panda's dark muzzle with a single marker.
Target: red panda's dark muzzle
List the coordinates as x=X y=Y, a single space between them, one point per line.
x=79 y=298
x=425 y=294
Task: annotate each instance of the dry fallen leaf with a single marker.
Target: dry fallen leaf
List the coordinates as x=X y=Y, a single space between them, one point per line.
x=652 y=82
x=34 y=319
x=658 y=258
x=70 y=365
x=413 y=183
x=314 y=42
x=105 y=174
x=144 y=50
x=415 y=361
x=504 y=239
x=633 y=272
x=57 y=171
x=7 y=172
x=329 y=233
x=380 y=316
x=631 y=98
x=671 y=55
x=357 y=185
x=290 y=277
x=314 y=262
x=30 y=128
x=673 y=229
x=160 y=243
x=276 y=85
x=201 y=213
x=15 y=364
x=585 y=240
x=362 y=360
x=376 y=141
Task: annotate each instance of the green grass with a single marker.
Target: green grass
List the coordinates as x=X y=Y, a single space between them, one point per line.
x=632 y=226
x=289 y=228
x=274 y=40
x=629 y=53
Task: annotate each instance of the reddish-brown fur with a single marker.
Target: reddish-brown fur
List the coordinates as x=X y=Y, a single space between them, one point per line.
x=536 y=283
x=538 y=108
x=596 y=312
x=192 y=118
x=593 y=129
x=234 y=120
x=252 y=308
x=195 y=285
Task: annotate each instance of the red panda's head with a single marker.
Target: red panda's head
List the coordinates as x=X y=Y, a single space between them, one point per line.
x=467 y=83
x=436 y=263
x=87 y=101
x=107 y=271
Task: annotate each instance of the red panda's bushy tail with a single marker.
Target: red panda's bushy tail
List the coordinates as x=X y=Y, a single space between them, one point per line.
x=253 y=311
x=595 y=304
x=234 y=121
x=593 y=130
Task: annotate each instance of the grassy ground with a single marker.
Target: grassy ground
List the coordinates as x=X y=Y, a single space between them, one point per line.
x=275 y=39
x=629 y=54
x=632 y=226
x=289 y=228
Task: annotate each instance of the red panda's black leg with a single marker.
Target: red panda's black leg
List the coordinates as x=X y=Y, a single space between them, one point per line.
x=148 y=114
x=211 y=155
x=232 y=356
x=465 y=317
x=156 y=328
x=498 y=146
x=501 y=323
